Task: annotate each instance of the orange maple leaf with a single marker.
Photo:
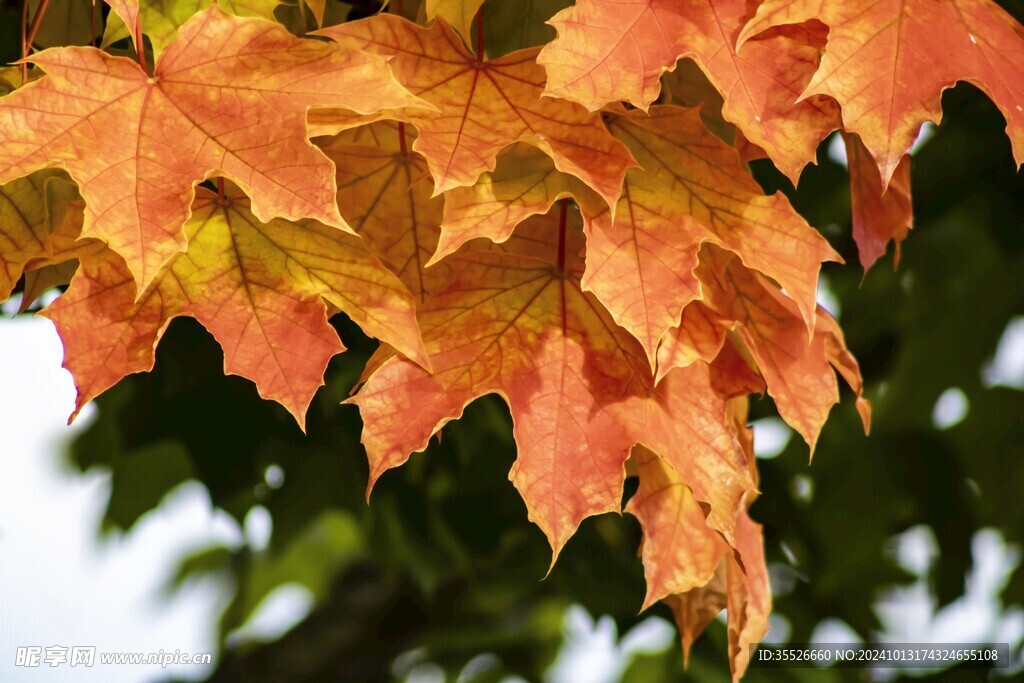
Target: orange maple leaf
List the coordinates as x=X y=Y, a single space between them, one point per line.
x=687 y=564
x=515 y=321
x=698 y=336
x=742 y=589
x=691 y=189
x=524 y=183
x=798 y=371
x=458 y=13
x=385 y=194
x=879 y=215
x=228 y=97
x=887 y=63
x=484 y=106
x=259 y=288
x=679 y=551
x=511 y=322
x=612 y=50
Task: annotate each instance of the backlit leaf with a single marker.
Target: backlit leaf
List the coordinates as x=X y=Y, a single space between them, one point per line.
x=458 y=13
x=679 y=551
x=161 y=19
x=385 y=194
x=228 y=97
x=31 y=210
x=879 y=215
x=512 y=323
x=486 y=106
x=259 y=288
x=797 y=370
x=692 y=189
x=887 y=63
x=611 y=50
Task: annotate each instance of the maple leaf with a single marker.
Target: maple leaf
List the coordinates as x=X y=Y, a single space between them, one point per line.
x=679 y=551
x=485 y=106
x=458 y=13
x=385 y=194
x=797 y=370
x=524 y=183
x=683 y=421
x=687 y=564
x=161 y=19
x=44 y=278
x=511 y=323
x=749 y=597
x=32 y=209
x=691 y=188
x=695 y=609
x=740 y=588
x=259 y=288
x=514 y=321
x=879 y=215
x=228 y=97
x=317 y=8
x=887 y=63
x=698 y=336
x=611 y=50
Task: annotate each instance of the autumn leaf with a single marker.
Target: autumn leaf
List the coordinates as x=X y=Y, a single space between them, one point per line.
x=458 y=13
x=612 y=50
x=316 y=8
x=259 y=288
x=887 y=63
x=385 y=194
x=748 y=595
x=688 y=565
x=31 y=210
x=228 y=97
x=879 y=215
x=524 y=183
x=683 y=420
x=679 y=551
x=43 y=279
x=698 y=336
x=742 y=589
x=692 y=189
x=485 y=106
x=161 y=19
x=514 y=322
x=797 y=370
x=695 y=609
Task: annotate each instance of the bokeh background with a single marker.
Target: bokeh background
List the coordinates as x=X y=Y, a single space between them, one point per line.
x=182 y=512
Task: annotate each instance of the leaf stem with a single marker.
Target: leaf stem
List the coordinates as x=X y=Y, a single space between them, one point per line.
x=401 y=139
x=220 y=189
x=24 y=37
x=563 y=211
x=37 y=21
x=140 y=45
x=480 y=35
